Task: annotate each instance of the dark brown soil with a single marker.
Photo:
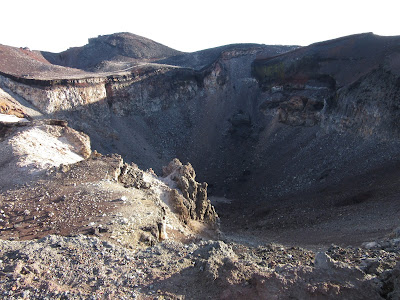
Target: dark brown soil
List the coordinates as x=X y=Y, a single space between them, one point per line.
x=62 y=203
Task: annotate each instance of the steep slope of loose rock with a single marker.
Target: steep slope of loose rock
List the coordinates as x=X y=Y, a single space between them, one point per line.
x=249 y=141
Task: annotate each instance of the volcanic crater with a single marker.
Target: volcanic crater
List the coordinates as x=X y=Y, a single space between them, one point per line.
x=295 y=145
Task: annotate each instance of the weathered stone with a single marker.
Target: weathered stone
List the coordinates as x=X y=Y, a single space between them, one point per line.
x=181 y=206
x=132 y=176
x=194 y=202
x=300 y=111
x=370 y=245
x=323 y=261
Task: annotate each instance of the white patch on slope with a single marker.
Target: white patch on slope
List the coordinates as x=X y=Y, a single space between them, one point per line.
x=11 y=119
x=33 y=150
x=160 y=189
x=39 y=149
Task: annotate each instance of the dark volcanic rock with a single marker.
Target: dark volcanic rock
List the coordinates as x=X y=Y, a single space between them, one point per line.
x=132 y=176
x=328 y=64
x=299 y=145
x=202 y=59
x=310 y=109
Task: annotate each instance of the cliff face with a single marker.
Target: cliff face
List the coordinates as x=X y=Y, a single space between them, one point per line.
x=350 y=84
x=51 y=96
x=249 y=133
x=369 y=106
x=190 y=113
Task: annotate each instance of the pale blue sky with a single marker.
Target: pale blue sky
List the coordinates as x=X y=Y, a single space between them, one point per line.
x=188 y=26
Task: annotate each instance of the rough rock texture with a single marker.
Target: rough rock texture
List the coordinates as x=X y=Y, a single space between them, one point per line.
x=51 y=96
x=88 y=197
x=342 y=78
x=181 y=206
x=197 y=205
x=375 y=113
x=300 y=111
x=83 y=267
x=10 y=106
x=132 y=176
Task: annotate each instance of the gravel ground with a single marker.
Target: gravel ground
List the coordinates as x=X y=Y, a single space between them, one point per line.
x=85 y=267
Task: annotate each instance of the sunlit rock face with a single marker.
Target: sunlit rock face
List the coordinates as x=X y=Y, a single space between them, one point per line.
x=52 y=96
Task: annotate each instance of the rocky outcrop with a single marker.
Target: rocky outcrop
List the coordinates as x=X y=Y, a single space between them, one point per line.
x=132 y=176
x=151 y=89
x=300 y=111
x=181 y=206
x=194 y=202
x=10 y=106
x=368 y=106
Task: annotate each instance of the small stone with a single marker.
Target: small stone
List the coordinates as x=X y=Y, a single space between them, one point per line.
x=370 y=245
x=322 y=261
x=123 y=221
x=395 y=242
x=396 y=232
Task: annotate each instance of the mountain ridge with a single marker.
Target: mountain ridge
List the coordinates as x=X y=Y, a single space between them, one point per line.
x=126 y=47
